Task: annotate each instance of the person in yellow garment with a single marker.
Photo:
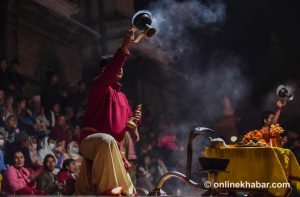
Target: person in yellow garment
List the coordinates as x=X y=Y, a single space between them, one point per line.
x=103 y=171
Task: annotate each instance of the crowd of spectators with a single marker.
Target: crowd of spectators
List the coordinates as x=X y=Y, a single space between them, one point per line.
x=39 y=134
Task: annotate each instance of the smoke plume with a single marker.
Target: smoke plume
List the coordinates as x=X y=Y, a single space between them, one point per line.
x=175 y=21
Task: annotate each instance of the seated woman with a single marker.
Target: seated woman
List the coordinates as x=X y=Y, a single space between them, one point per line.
x=47 y=146
x=21 y=181
x=73 y=153
x=60 y=153
x=66 y=176
x=47 y=181
x=33 y=151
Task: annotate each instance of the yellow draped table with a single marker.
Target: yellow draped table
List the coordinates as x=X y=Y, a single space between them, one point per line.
x=258 y=164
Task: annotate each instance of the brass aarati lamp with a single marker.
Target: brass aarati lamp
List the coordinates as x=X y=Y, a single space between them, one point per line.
x=142 y=21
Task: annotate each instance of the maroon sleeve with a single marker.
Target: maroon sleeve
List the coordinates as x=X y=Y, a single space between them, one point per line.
x=108 y=77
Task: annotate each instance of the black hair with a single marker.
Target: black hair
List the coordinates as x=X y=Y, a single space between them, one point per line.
x=52 y=137
x=66 y=163
x=11 y=160
x=104 y=60
x=46 y=158
x=265 y=115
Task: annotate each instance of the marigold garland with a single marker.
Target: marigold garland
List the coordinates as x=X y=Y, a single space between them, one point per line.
x=255 y=136
x=276 y=130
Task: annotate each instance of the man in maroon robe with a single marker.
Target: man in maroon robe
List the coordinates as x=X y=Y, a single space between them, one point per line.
x=105 y=121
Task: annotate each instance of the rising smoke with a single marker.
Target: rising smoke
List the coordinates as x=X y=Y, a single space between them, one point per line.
x=183 y=27
x=174 y=20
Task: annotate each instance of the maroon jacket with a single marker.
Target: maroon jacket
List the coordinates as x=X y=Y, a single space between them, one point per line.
x=108 y=109
x=68 y=181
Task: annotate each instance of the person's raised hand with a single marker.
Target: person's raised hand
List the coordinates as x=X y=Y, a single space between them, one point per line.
x=128 y=37
x=280 y=104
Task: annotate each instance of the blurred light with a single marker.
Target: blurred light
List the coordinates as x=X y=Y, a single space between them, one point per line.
x=116 y=190
x=233 y=138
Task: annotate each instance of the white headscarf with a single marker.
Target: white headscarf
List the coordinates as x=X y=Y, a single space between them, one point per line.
x=45 y=150
x=74 y=155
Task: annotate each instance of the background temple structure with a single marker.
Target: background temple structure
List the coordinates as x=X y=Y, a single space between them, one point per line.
x=69 y=37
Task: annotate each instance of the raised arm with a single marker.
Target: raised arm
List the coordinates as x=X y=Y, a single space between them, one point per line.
x=280 y=104
x=113 y=67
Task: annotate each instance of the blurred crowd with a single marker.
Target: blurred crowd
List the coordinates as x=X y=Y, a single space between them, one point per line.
x=39 y=136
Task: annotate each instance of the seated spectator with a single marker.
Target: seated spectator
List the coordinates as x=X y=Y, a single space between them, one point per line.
x=35 y=105
x=47 y=146
x=66 y=176
x=60 y=153
x=70 y=116
x=25 y=119
x=60 y=131
x=10 y=128
x=20 y=180
x=33 y=151
x=22 y=143
x=47 y=181
x=73 y=153
x=2 y=146
x=44 y=123
x=54 y=114
x=9 y=108
x=76 y=133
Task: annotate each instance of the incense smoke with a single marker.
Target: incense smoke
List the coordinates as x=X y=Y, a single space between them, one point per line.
x=175 y=21
x=213 y=74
